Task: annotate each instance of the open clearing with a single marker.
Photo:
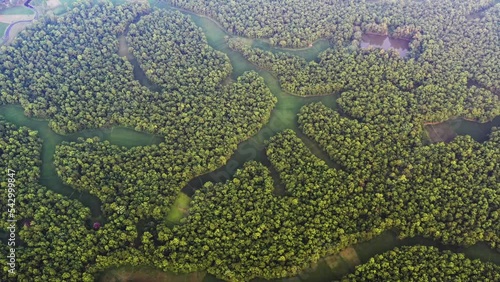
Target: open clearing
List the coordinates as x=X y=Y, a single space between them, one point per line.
x=347 y=256
x=440 y=132
x=145 y=274
x=350 y=256
x=179 y=209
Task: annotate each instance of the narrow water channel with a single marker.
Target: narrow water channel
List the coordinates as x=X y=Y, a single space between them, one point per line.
x=385 y=42
x=117 y=135
x=284 y=116
x=309 y=54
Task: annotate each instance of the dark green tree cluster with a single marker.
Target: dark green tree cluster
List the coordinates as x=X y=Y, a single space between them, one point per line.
x=411 y=91
x=239 y=229
x=472 y=47
x=51 y=229
x=448 y=192
x=290 y=23
x=174 y=53
x=234 y=230
x=295 y=23
x=19 y=148
x=205 y=124
x=145 y=180
x=421 y=263
x=202 y=126
x=67 y=69
x=194 y=105
x=55 y=239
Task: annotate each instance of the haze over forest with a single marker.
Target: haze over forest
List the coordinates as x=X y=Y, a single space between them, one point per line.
x=250 y=140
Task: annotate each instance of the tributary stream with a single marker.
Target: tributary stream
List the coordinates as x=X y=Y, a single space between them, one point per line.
x=284 y=116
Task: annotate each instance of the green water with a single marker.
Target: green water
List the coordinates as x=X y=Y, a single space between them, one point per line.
x=19 y=10
x=448 y=130
x=284 y=116
x=117 y=135
x=309 y=54
x=479 y=131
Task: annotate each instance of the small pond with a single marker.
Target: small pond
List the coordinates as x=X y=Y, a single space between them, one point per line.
x=385 y=42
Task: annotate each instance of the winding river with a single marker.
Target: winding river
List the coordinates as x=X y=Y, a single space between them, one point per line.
x=284 y=116
x=120 y=136
x=9 y=28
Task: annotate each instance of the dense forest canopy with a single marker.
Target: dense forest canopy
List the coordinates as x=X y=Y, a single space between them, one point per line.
x=420 y=263
x=298 y=23
x=386 y=175
x=50 y=227
x=463 y=68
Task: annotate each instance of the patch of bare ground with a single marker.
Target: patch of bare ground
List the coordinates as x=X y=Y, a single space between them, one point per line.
x=347 y=256
x=350 y=256
x=440 y=132
x=333 y=261
x=52 y=4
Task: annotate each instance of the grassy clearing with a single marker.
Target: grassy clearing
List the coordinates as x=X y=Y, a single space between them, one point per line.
x=343 y=263
x=21 y=10
x=179 y=209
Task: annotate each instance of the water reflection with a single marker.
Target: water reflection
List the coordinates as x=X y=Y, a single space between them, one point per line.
x=448 y=130
x=385 y=42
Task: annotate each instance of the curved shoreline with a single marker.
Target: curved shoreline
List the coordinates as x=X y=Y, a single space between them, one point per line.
x=6 y=37
x=264 y=125
x=264 y=40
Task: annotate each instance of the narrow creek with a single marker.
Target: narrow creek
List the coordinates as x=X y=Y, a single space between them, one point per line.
x=284 y=116
x=120 y=136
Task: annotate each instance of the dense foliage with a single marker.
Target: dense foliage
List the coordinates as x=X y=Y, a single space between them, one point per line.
x=420 y=263
x=457 y=60
x=445 y=191
x=66 y=69
x=174 y=53
x=50 y=227
x=298 y=23
x=240 y=229
x=412 y=90
x=206 y=122
x=202 y=121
